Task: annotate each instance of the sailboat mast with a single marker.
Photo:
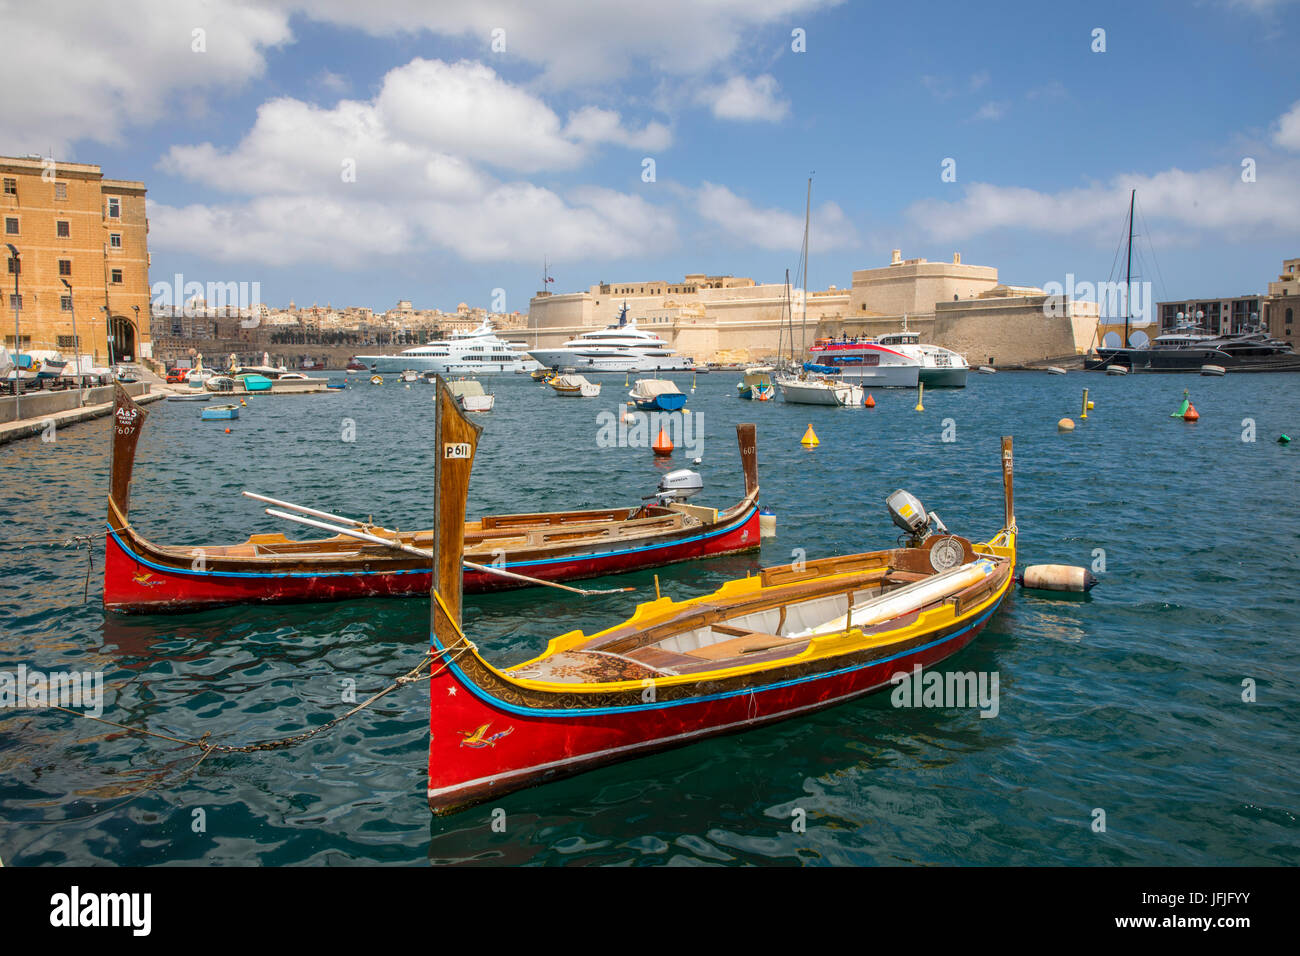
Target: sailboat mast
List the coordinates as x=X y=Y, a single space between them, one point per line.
x=803 y=334
x=1128 y=278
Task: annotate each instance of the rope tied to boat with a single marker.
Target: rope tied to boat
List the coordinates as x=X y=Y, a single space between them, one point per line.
x=208 y=749
x=86 y=541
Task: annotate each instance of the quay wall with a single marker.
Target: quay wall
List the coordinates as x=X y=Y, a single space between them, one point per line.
x=44 y=404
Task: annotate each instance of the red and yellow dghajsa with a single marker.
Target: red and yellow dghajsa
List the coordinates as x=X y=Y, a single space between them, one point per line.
x=787 y=641
x=143 y=576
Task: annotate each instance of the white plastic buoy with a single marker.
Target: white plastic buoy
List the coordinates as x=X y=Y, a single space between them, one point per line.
x=1058 y=577
x=766 y=523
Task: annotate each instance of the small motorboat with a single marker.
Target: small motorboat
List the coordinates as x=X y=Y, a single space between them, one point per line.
x=189 y=397
x=1055 y=370
x=293 y=377
x=254 y=382
x=408 y=375
x=214 y=413
x=769 y=646
x=355 y=366
x=470 y=395
x=502 y=550
x=1217 y=371
x=987 y=370
x=376 y=380
x=822 y=390
x=1116 y=370
x=542 y=374
x=574 y=386
x=219 y=383
x=336 y=385
x=657 y=395
x=24 y=370
x=757 y=385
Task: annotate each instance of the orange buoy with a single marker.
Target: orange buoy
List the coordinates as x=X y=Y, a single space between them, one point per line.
x=663 y=444
x=870 y=402
x=1191 y=415
x=227 y=431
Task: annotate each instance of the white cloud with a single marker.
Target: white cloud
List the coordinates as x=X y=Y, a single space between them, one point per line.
x=1182 y=202
x=434 y=116
x=1287 y=134
x=591 y=124
x=92 y=70
x=993 y=110
x=773 y=228
x=741 y=98
x=577 y=42
x=403 y=172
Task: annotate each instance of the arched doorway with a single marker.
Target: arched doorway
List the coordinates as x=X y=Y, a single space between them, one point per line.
x=122 y=330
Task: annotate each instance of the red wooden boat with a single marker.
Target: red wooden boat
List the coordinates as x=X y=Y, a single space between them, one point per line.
x=142 y=576
x=785 y=642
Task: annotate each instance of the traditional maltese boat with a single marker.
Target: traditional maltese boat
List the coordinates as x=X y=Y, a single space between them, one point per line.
x=776 y=645
x=364 y=559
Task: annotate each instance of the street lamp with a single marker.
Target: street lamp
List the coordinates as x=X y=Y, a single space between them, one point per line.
x=108 y=325
x=76 y=342
x=18 y=371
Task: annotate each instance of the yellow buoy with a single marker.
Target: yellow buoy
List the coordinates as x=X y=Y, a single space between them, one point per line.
x=1065 y=425
x=1084 y=413
x=809 y=439
x=920 y=395
x=1091 y=406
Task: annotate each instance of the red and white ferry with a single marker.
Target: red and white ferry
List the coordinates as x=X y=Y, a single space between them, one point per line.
x=895 y=360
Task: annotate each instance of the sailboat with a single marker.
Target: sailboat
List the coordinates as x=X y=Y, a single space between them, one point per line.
x=813 y=385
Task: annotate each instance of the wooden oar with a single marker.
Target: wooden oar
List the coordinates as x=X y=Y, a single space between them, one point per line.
x=428 y=555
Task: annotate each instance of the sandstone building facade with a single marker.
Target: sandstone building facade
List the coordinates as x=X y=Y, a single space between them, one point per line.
x=69 y=223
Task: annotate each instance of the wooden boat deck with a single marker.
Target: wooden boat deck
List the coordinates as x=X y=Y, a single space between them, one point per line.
x=487 y=536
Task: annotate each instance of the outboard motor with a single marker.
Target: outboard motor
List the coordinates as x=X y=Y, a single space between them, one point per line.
x=910 y=515
x=678 y=486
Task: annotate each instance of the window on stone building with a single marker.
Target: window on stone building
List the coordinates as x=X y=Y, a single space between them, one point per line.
x=117 y=277
x=15 y=302
x=15 y=266
x=11 y=186
x=115 y=240
x=114 y=207
x=62 y=228
x=65 y=303
x=65 y=267
x=60 y=190
x=68 y=341
x=11 y=225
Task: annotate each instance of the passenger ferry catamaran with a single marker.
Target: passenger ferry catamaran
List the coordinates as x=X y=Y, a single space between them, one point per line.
x=479 y=352
x=897 y=359
x=620 y=347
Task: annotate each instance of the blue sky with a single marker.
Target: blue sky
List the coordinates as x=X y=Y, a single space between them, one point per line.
x=472 y=164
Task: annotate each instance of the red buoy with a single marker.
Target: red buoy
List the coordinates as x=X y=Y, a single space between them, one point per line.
x=663 y=444
x=870 y=402
x=1191 y=415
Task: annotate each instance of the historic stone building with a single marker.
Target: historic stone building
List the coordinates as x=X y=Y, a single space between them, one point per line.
x=729 y=318
x=71 y=225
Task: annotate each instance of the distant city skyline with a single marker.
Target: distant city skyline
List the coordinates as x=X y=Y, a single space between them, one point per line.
x=441 y=152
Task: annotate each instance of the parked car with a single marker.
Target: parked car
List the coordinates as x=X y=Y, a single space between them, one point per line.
x=177 y=376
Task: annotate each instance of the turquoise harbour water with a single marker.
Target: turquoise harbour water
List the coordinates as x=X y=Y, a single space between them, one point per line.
x=1129 y=702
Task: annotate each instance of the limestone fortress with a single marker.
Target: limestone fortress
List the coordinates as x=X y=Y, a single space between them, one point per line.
x=733 y=319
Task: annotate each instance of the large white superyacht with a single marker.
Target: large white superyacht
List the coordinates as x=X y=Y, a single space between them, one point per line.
x=621 y=347
x=478 y=352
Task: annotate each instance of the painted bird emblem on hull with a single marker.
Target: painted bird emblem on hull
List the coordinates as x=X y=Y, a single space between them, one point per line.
x=477 y=740
x=145 y=579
